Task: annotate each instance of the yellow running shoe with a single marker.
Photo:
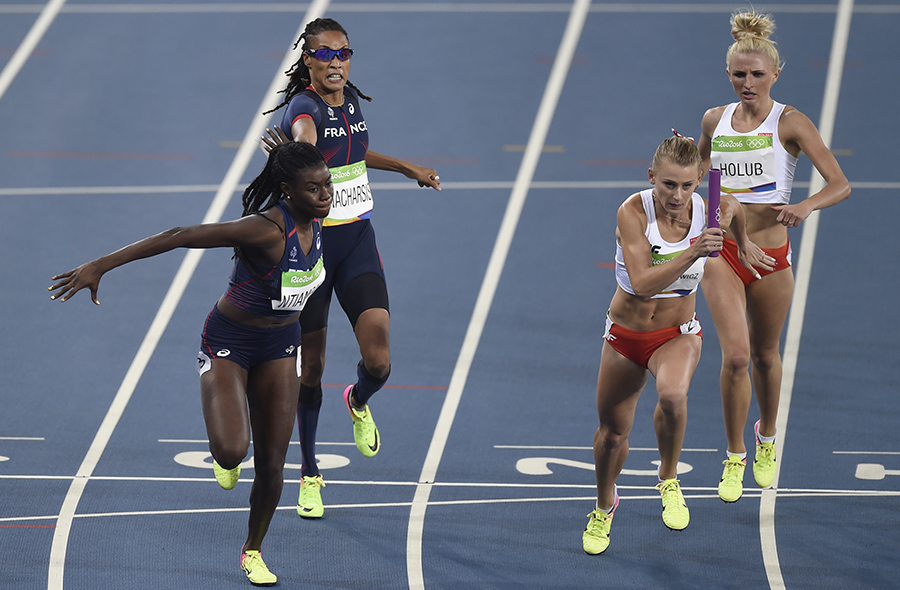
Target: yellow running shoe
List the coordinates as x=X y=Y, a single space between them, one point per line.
x=675 y=512
x=595 y=539
x=309 y=504
x=764 y=462
x=731 y=486
x=227 y=478
x=257 y=572
x=365 y=433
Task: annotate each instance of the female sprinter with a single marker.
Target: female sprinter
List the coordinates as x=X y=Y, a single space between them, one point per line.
x=662 y=244
x=755 y=142
x=323 y=109
x=248 y=349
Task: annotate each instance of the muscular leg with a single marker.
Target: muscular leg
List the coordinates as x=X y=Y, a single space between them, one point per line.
x=673 y=365
x=312 y=357
x=373 y=335
x=724 y=294
x=768 y=303
x=619 y=385
x=223 y=395
x=272 y=393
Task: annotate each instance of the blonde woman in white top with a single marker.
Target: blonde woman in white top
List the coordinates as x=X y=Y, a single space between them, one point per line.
x=755 y=143
x=662 y=242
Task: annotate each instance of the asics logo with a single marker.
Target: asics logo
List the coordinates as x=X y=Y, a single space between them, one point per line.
x=223 y=352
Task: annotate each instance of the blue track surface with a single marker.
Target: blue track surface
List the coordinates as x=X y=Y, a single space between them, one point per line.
x=124 y=121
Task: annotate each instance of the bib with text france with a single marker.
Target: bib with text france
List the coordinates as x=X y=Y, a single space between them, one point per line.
x=747 y=163
x=352 y=196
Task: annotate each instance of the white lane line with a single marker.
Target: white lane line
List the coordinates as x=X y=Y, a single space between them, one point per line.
x=801 y=290
x=393 y=186
x=29 y=43
x=441 y=7
x=865 y=452
x=488 y=288
x=164 y=315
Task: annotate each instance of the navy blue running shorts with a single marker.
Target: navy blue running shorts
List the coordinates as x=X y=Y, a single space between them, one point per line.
x=223 y=338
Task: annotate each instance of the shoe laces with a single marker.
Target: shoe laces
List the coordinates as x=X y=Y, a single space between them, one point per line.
x=733 y=469
x=669 y=489
x=312 y=481
x=765 y=451
x=251 y=560
x=599 y=522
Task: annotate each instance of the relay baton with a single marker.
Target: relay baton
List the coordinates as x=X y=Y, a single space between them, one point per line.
x=712 y=212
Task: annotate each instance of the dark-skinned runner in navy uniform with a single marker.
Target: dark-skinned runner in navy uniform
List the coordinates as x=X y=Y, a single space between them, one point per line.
x=323 y=109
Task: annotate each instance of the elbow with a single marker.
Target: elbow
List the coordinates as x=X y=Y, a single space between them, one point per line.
x=643 y=292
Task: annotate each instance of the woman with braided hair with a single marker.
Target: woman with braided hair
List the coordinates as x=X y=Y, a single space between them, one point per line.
x=323 y=109
x=248 y=349
x=755 y=143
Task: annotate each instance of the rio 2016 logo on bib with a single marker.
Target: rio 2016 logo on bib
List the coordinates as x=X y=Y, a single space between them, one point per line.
x=352 y=196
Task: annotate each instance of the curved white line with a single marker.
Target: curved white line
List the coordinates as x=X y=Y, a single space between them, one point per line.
x=163 y=316
x=488 y=288
x=801 y=290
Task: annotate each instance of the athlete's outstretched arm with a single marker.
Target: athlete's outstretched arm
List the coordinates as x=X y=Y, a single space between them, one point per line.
x=424 y=176
x=252 y=233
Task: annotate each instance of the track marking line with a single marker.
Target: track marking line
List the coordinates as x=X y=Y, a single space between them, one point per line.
x=516 y=203
x=801 y=291
x=189 y=264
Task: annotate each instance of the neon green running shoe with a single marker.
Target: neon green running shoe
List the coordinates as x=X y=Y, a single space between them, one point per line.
x=731 y=486
x=595 y=539
x=365 y=433
x=675 y=512
x=309 y=504
x=764 y=462
x=257 y=572
x=227 y=478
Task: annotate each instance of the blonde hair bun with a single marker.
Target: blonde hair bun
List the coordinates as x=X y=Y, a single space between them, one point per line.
x=751 y=24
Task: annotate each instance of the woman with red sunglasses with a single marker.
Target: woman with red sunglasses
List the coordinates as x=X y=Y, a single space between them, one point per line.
x=323 y=109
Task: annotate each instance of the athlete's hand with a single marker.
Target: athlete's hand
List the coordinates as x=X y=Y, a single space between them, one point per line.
x=425 y=177
x=86 y=276
x=792 y=215
x=752 y=256
x=709 y=241
x=274 y=138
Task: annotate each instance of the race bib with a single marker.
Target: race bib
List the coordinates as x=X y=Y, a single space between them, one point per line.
x=747 y=163
x=298 y=285
x=352 y=196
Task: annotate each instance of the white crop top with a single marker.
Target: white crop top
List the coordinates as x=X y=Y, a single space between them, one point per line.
x=663 y=251
x=755 y=166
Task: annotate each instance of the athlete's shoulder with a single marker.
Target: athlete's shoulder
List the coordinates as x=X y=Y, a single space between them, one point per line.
x=712 y=116
x=306 y=102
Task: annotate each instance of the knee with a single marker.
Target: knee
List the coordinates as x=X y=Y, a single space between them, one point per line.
x=269 y=469
x=609 y=439
x=228 y=454
x=765 y=360
x=672 y=399
x=312 y=367
x=736 y=361
x=378 y=363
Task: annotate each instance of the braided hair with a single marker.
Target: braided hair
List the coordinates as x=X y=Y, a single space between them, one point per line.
x=298 y=73
x=285 y=162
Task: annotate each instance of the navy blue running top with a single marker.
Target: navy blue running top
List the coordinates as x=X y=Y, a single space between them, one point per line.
x=341 y=133
x=282 y=290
